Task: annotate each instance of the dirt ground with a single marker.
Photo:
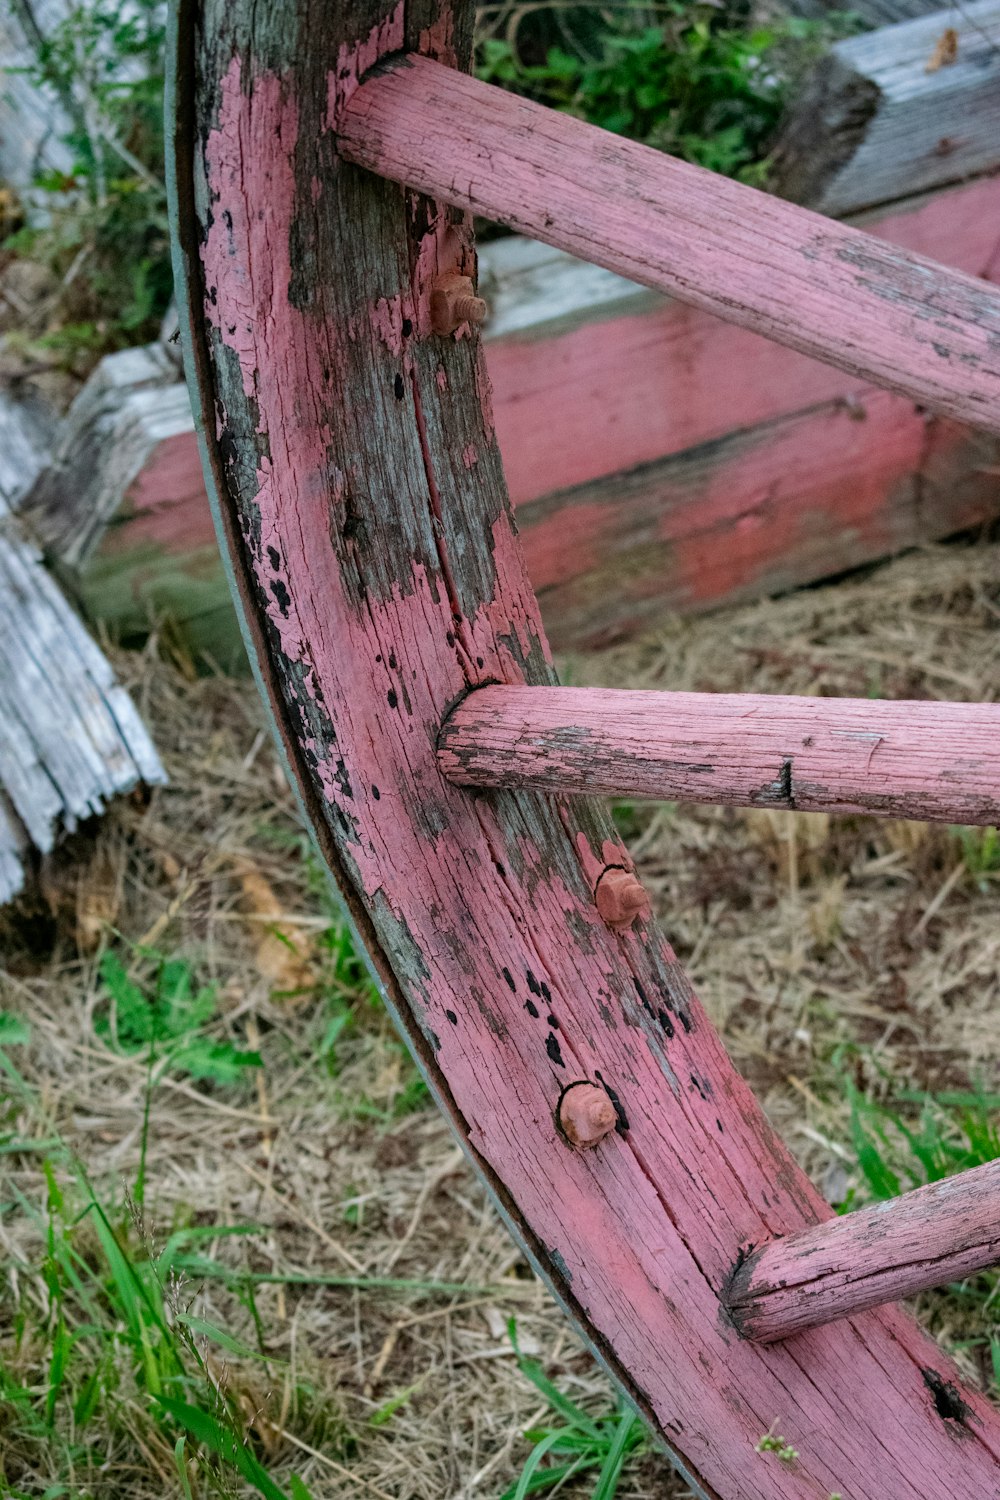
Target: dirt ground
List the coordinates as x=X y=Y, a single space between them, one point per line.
x=823 y=947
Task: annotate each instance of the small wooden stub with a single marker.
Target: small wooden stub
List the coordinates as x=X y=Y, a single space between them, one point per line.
x=586 y=1114
x=935 y=1234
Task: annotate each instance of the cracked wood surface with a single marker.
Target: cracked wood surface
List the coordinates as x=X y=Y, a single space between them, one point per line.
x=937 y=761
x=823 y=288
x=934 y=1234
x=70 y=736
x=360 y=499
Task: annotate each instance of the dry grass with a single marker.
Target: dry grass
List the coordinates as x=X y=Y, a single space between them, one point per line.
x=819 y=945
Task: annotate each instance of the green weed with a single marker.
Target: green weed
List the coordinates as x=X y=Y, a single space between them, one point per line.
x=697 y=84
x=103 y=230
x=981 y=853
x=576 y=1444
x=913 y=1138
x=167 y=1019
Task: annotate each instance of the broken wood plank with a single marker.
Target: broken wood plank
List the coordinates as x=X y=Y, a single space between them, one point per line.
x=70 y=737
x=896 y=111
x=929 y=760
x=823 y=288
x=942 y=1232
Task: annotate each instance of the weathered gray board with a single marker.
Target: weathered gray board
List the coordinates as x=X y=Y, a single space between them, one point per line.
x=881 y=116
x=70 y=737
x=32 y=122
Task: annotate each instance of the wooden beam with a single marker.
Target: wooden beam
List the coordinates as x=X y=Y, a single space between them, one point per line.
x=939 y=1233
x=802 y=280
x=939 y=761
x=895 y=111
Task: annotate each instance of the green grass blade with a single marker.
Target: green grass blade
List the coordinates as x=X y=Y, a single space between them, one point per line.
x=624 y=1441
x=224 y=1443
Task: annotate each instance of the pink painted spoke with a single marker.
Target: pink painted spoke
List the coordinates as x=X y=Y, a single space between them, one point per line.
x=939 y=761
x=821 y=287
x=935 y=1234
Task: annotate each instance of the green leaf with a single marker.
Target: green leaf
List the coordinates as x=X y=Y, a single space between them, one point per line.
x=14 y=1030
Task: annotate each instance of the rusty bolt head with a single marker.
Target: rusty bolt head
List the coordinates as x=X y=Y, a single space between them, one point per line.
x=586 y=1115
x=454 y=302
x=621 y=899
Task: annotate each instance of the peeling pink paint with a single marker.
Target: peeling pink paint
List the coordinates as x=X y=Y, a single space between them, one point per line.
x=354 y=61
x=430 y=857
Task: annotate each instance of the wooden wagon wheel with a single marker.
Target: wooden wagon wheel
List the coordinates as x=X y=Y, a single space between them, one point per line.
x=360 y=499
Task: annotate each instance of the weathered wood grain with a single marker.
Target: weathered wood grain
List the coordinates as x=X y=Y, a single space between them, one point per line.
x=360 y=499
x=934 y=1234
x=937 y=761
x=876 y=118
x=70 y=736
x=873 y=12
x=823 y=288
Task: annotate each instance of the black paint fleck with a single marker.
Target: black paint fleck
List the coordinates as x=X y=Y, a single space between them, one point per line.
x=452 y=1017
x=510 y=980
x=949 y=1404
x=665 y=1022
x=531 y=1008
x=553 y=1049
x=399 y=388
x=391 y=698
x=282 y=596
x=533 y=985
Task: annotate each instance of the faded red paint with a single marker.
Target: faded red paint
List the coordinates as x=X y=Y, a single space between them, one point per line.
x=479 y=922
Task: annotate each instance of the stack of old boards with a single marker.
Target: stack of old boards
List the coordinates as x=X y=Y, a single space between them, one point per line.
x=659 y=459
x=70 y=737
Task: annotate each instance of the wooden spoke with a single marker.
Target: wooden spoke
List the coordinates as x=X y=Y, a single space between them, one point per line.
x=823 y=288
x=939 y=1233
x=938 y=761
